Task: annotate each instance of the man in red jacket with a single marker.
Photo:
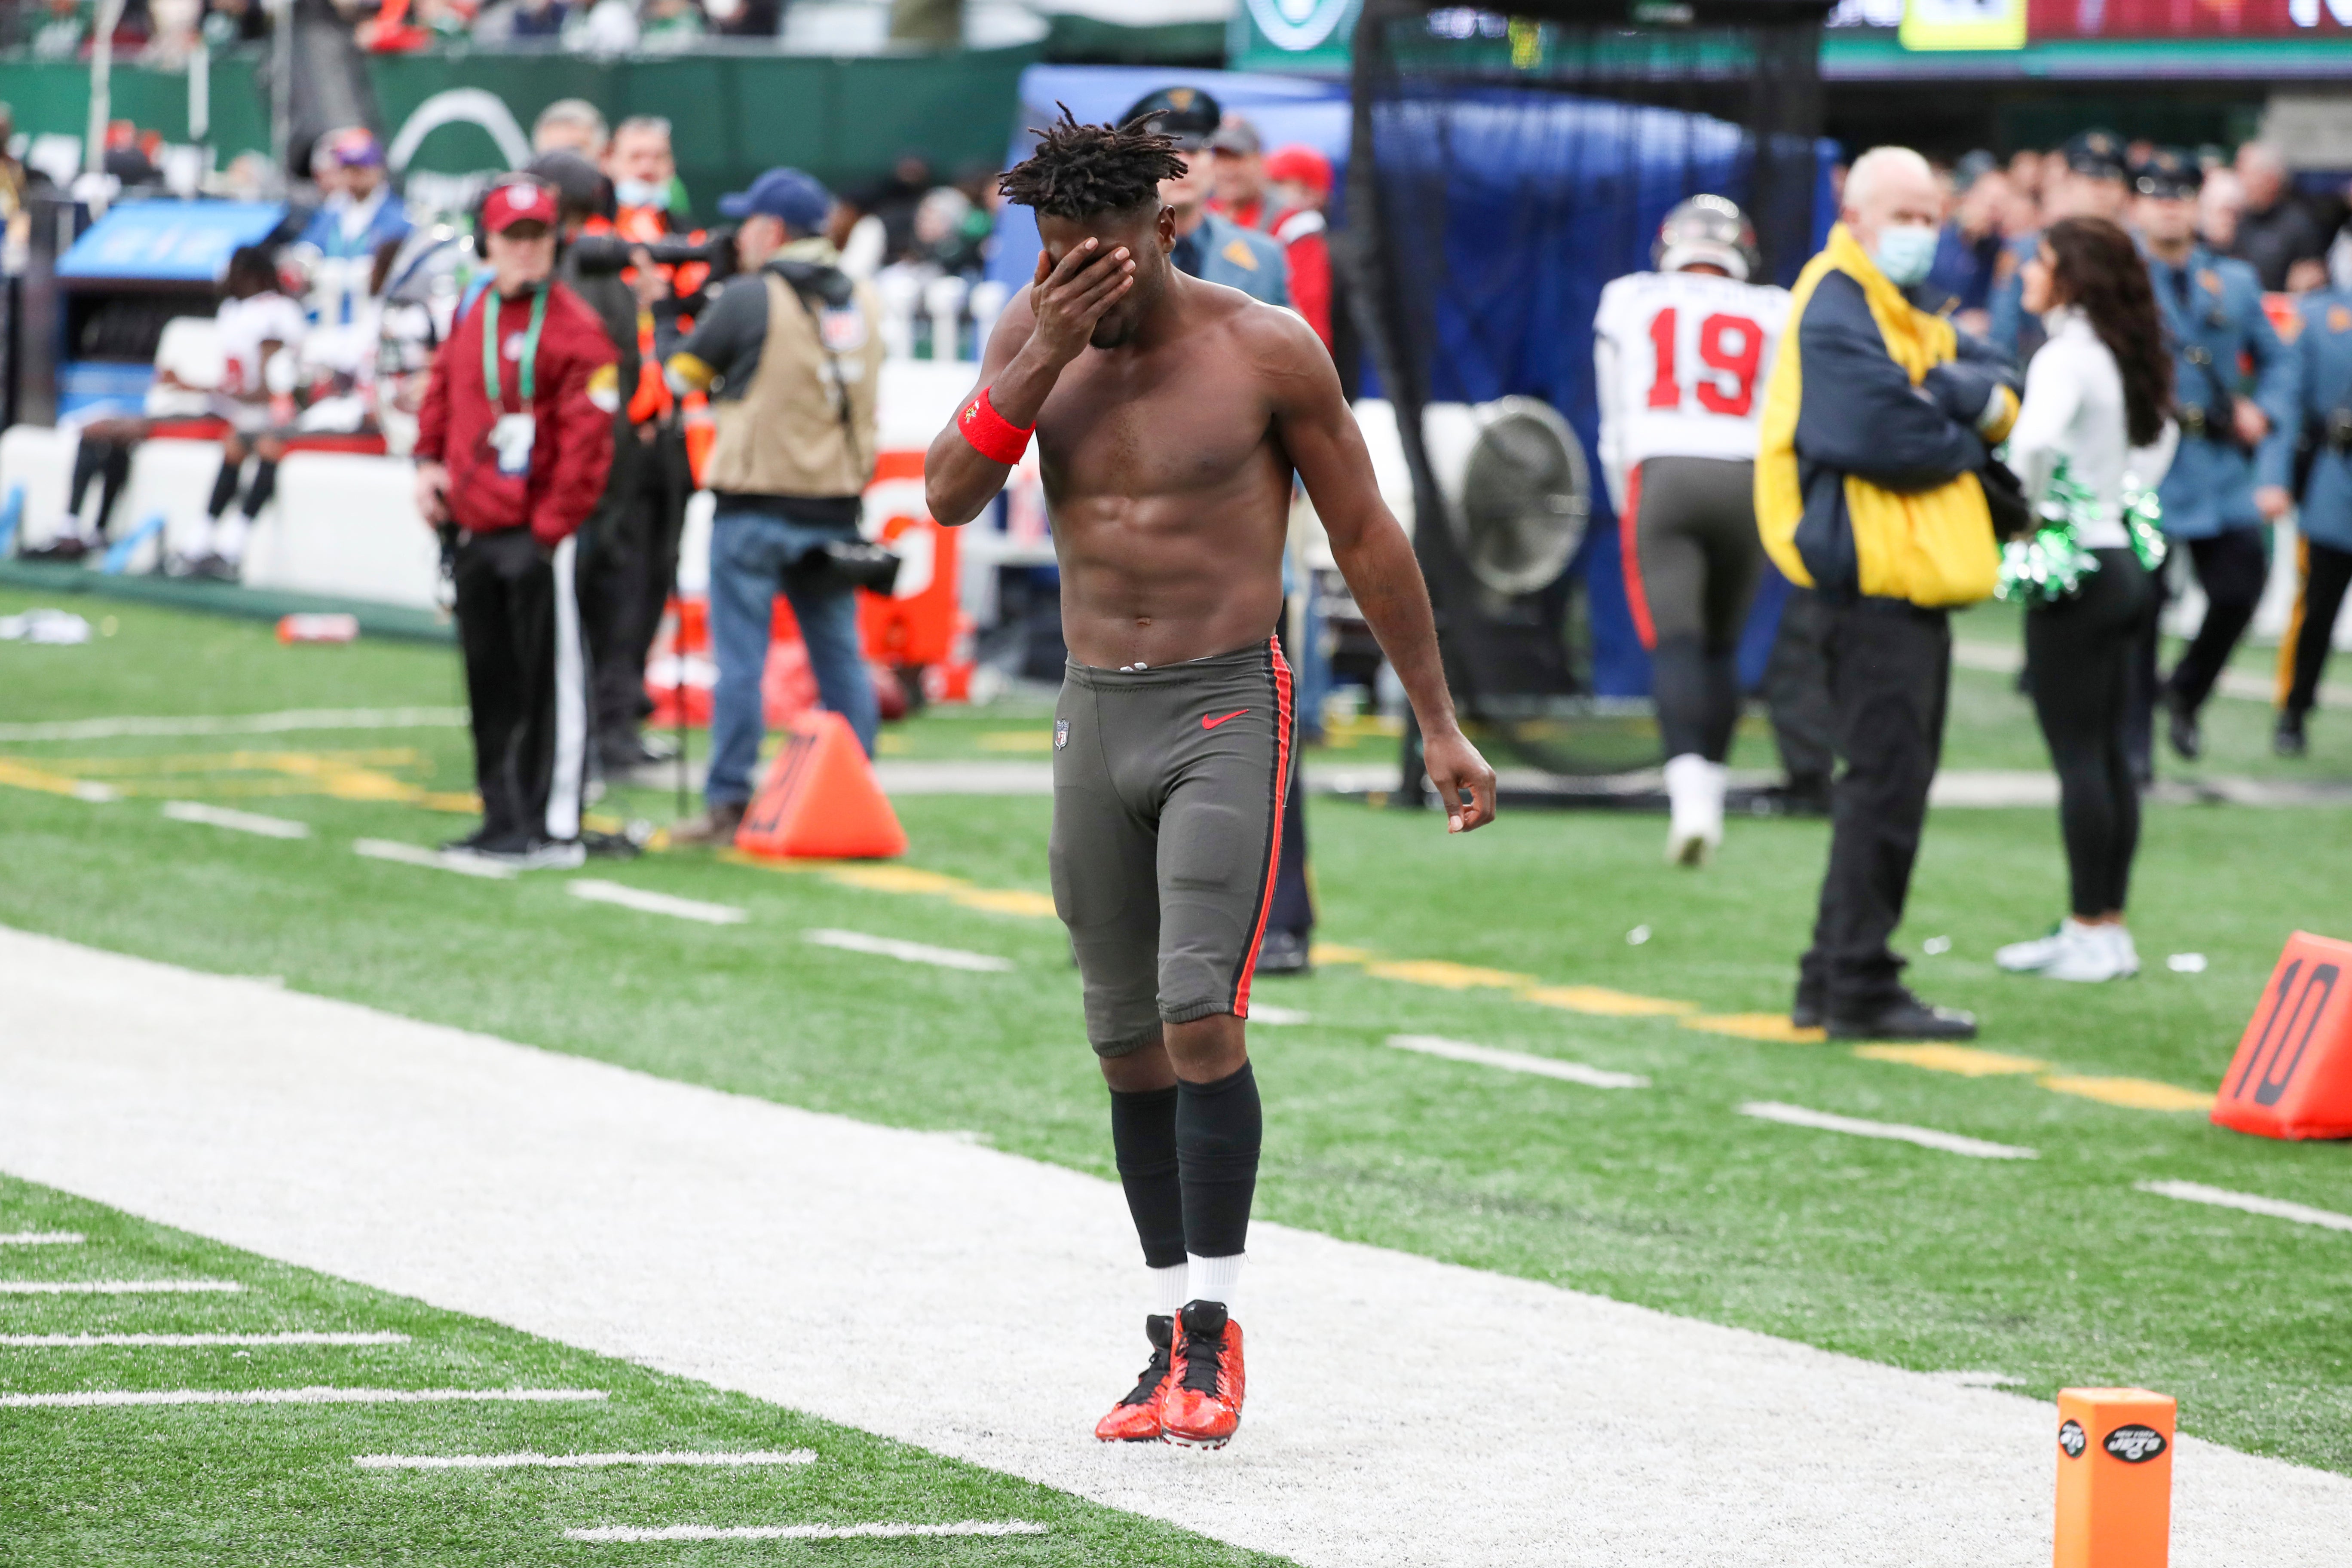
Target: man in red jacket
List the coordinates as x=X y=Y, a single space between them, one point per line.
x=513 y=444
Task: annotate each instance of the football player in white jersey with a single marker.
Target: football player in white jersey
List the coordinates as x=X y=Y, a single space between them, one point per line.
x=1683 y=354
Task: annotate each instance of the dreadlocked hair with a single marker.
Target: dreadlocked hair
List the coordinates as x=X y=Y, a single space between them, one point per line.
x=1078 y=171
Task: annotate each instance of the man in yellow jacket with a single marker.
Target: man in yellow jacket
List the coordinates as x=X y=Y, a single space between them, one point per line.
x=1875 y=425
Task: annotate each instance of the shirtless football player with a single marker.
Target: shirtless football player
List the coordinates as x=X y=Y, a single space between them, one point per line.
x=1170 y=415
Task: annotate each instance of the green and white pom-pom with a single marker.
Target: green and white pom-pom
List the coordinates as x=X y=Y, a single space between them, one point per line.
x=2144 y=520
x=2049 y=563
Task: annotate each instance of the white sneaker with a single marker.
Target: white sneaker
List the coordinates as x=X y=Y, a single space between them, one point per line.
x=2088 y=955
x=2025 y=957
x=1694 y=791
x=2121 y=937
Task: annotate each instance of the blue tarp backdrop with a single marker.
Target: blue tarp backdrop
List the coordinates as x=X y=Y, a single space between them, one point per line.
x=1535 y=201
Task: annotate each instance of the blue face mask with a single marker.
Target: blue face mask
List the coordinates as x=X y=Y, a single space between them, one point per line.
x=1905 y=252
x=640 y=194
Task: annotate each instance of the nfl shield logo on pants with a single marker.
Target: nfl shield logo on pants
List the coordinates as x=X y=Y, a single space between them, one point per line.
x=1061 y=733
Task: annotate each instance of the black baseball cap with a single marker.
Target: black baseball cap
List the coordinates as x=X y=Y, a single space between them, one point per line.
x=2097 y=153
x=2168 y=174
x=1185 y=115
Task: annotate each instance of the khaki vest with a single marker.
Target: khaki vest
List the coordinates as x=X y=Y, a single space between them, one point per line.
x=784 y=436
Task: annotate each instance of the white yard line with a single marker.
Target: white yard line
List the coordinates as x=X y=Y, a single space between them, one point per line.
x=188 y=1341
x=822 y=1263
x=116 y=1287
x=909 y=951
x=654 y=903
x=434 y=859
x=1517 y=1061
x=612 y=1533
x=579 y=1461
x=291 y=718
x=236 y=821
x=1264 y=1013
x=2250 y=1203
x=42 y=1238
x=1899 y=1132
x=112 y=1396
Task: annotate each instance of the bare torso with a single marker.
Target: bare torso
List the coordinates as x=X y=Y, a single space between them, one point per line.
x=1169 y=489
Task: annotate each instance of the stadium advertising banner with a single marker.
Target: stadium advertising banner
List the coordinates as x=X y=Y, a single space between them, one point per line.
x=2186 y=19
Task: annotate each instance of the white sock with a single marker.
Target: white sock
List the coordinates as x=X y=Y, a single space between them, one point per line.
x=1168 y=1287
x=1215 y=1278
x=229 y=531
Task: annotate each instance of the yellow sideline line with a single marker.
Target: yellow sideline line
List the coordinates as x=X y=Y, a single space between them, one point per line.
x=1594 y=1001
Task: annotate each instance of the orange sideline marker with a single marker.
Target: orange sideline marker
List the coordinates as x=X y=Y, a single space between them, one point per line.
x=2292 y=1077
x=2114 y=1478
x=821 y=799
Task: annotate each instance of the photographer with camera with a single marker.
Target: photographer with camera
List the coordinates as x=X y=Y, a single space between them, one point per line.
x=790 y=353
x=514 y=439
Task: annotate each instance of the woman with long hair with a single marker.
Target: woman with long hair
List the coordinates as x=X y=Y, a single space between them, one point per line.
x=2093 y=436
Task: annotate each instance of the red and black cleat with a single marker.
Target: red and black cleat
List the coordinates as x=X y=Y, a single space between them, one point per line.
x=1136 y=1418
x=1204 y=1402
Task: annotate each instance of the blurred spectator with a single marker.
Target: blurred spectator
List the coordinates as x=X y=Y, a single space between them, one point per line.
x=643 y=167
x=600 y=28
x=945 y=233
x=671 y=24
x=1241 y=173
x=523 y=19
x=570 y=125
x=2276 y=230
x=2218 y=206
x=746 y=19
x=1968 y=249
x=129 y=154
x=16 y=180
x=261 y=331
x=2025 y=173
x=61 y=32
x=359 y=218
x=230 y=22
x=173 y=35
x=1298 y=185
x=892 y=199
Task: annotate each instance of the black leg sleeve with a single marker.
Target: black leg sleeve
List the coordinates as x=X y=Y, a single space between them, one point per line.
x=264 y=486
x=1219 y=1128
x=1143 y=1139
x=1679 y=684
x=223 y=488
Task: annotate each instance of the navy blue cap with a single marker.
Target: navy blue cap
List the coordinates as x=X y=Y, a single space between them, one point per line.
x=787 y=194
x=2098 y=153
x=2170 y=174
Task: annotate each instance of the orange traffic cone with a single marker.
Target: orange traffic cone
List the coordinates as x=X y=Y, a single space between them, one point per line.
x=2292 y=1077
x=821 y=799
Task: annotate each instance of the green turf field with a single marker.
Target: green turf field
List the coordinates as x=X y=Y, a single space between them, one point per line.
x=243 y=1484
x=2054 y=1271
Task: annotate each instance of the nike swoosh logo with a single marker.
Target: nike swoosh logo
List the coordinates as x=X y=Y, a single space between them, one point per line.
x=1209 y=723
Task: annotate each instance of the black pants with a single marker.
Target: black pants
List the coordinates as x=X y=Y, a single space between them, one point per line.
x=518 y=627
x=2326 y=571
x=2231 y=568
x=108 y=462
x=1889 y=674
x=2080 y=650
x=1692 y=576
x=1797 y=691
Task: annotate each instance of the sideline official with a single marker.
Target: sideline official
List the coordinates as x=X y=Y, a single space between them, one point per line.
x=2324 y=399
x=1866 y=491
x=2229 y=477
x=513 y=442
x=790 y=353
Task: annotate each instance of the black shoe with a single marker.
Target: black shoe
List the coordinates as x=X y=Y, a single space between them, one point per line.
x=64 y=550
x=2180 y=726
x=469 y=844
x=626 y=753
x=1904 y=1018
x=2287 y=740
x=532 y=853
x=1805 y=1013
x=623 y=846
x=1283 y=952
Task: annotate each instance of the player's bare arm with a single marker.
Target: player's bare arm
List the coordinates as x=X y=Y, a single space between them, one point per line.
x=1319 y=431
x=1040 y=332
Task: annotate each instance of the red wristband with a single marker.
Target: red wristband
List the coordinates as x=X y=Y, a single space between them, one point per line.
x=991 y=433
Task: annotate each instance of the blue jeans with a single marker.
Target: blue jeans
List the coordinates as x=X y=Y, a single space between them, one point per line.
x=754 y=557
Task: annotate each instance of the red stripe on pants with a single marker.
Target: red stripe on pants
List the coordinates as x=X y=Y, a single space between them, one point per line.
x=1274 y=839
x=1637 y=598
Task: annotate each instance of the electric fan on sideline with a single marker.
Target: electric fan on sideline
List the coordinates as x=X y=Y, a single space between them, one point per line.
x=1517 y=492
